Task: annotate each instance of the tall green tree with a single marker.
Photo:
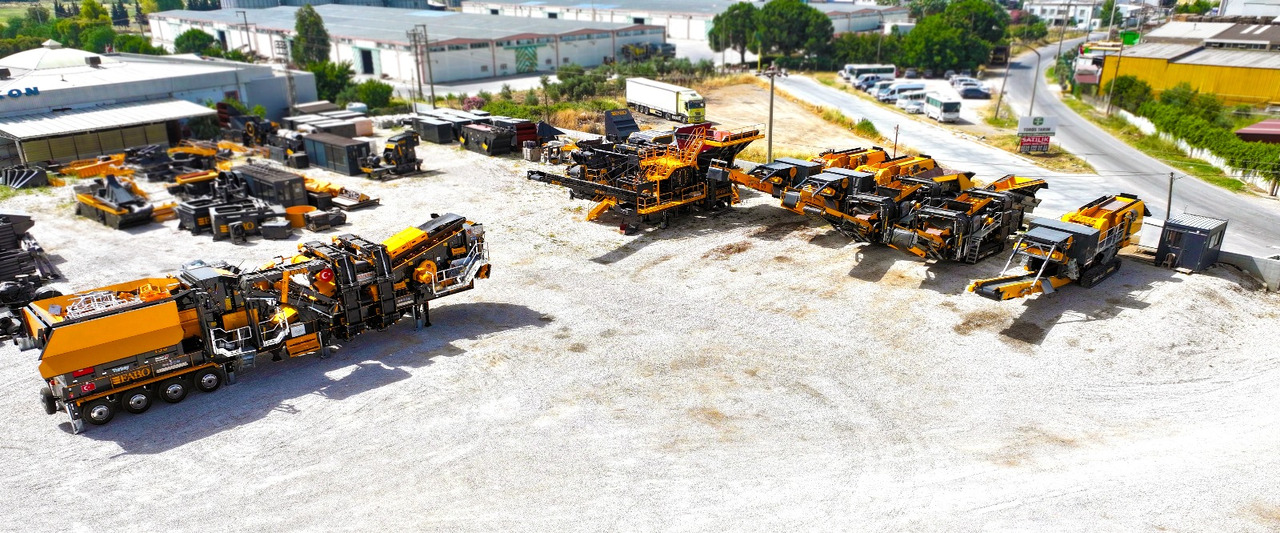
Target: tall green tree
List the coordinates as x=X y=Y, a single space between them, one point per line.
x=789 y=26
x=193 y=41
x=93 y=11
x=935 y=44
x=97 y=39
x=156 y=6
x=922 y=8
x=311 y=42
x=734 y=29
x=331 y=78
x=982 y=19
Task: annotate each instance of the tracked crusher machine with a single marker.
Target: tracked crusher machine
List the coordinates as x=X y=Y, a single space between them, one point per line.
x=119 y=203
x=970 y=227
x=647 y=176
x=1081 y=247
x=123 y=346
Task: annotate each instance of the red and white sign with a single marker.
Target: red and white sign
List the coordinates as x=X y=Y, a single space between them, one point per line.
x=1040 y=139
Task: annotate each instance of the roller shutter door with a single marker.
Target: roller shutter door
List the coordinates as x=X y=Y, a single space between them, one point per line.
x=63 y=148
x=87 y=145
x=135 y=136
x=156 y=134
x=36 y=151
x=110 y=141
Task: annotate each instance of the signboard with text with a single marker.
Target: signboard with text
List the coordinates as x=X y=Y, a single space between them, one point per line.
x=1033 y=143
x=1037 y=126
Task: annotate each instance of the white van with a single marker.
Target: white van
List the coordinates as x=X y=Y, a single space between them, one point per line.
x=941 y=108
x=892 y=92
x=912 y=102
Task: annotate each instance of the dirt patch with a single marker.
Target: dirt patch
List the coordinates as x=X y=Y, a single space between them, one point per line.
x=987 y=318
x=577 y=347
x=777 y=230
x=796 y=130
x=725 y=251
x=1267 y=513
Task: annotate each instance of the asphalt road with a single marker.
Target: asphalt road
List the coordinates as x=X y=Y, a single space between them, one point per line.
x=1066 y=191
x=1254 y=225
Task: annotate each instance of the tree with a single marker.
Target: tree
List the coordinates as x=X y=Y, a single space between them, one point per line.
x=193 y=41
x=39 y=14
x=922 y=8
x=374 y=93
x=982 y=19
x=92 y=10
x=98 y=39
x=734 y=29
x=136 y=44
x=1128 y=92
x=788 y=26
x=331 y=78
x=937 y=45
x=311 y=45
x=156 y=6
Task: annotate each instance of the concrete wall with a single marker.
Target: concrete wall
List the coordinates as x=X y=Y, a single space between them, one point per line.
x=678 y=25
x=1147 y=128
x=1266 y=270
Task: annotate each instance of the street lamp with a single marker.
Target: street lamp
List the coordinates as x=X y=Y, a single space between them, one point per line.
x=772 y=72
x=1034 y=81
x=1169 y=202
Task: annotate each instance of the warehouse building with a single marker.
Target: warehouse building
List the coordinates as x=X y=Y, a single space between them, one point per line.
x=62 y=104
x=683 y=19
x=1239 y=62
x=377 y=42
x=402 y=4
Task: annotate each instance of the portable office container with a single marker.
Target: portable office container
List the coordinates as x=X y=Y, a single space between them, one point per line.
x=335 y=153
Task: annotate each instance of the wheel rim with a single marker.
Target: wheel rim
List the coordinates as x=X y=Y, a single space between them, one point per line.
x=138 y=401
x=99 y=412
x=209 y=380
x=173 y=391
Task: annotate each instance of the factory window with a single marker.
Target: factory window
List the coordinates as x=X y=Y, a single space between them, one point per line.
x=553 y=15
x=479 y=45
x=566 y=60
x=458 y=47
x=524 y=41
x=637 y=20
x=484 y=68
x=493 y=12
x=548 y=61
x=502 y=66
x=437 y=48
x=546 y=39
x=600 y=36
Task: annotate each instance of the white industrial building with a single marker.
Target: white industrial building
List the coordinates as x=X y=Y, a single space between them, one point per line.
x=1249 y=8
x=62 y=104
x=1075 y=13
x=376 y=41
x=683 y=19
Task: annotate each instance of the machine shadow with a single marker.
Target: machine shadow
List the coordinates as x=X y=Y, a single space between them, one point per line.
x=380 y=359
x=1075 y=304
x=774 y=224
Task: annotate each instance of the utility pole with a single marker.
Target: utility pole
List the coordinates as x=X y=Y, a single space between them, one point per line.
x=430 y=78
x=417 y=60
x=880 y=42
x=248 y=38
x=1008 y=65
x=1168 y=214
x=772 y=73
x=1034 y=83
x=286 y=46
x=1119 y=57
x=1062 y=34
x=895 y=140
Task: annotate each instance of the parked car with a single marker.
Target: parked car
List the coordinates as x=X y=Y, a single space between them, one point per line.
x=896 y=90
x=915 y=107
x=874 y=89
x=949 y=74
x=966 y=73
x=905 y=99
x=975 y=93
x=864 y=82
x=911 y=74
x=928 y=73
x=971 y=83
x=960 y=80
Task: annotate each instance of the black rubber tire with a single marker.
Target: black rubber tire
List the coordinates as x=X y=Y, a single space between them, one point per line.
x=98 y=412
x=208 y=380
x=137 y=401
x=173 y=390
x=46 y=398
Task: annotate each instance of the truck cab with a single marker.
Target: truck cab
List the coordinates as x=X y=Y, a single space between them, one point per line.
x=694 y=107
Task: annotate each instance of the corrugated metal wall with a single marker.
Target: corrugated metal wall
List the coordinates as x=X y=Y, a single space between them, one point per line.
x=92 y=144
x=1233 y=84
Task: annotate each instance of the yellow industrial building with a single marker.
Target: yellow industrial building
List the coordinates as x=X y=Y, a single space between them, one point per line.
x=1241 y=64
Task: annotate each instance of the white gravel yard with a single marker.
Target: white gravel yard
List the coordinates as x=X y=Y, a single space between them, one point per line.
x=743 y=371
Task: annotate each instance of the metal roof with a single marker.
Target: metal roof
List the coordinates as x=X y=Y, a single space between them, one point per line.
x=1159 y=50
x=1188 y=220
x=1233 y=58
x=389 y=25
x=102 y=117
x=1267 y=131
x=692 y=7
x=1188 y=30
x=1248 y=33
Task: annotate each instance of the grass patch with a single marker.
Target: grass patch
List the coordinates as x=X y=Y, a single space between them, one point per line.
x=758 y=152
x=1054 y=159
x=720 y=82
x=1007 y=120
x=1155 y=147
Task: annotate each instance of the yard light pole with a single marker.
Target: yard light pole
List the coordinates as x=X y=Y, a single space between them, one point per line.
x=1031 y=111
x=1169 y=200
x=880 y=42
x=772 y=72
x=248 y=39
x=431 y=80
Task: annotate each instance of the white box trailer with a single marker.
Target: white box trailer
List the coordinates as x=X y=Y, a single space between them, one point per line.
x=665 y=100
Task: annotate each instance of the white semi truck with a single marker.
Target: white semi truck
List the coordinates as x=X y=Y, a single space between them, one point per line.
x=668 y=101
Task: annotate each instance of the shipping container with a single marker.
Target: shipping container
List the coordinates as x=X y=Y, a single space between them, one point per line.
x=335 y=153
